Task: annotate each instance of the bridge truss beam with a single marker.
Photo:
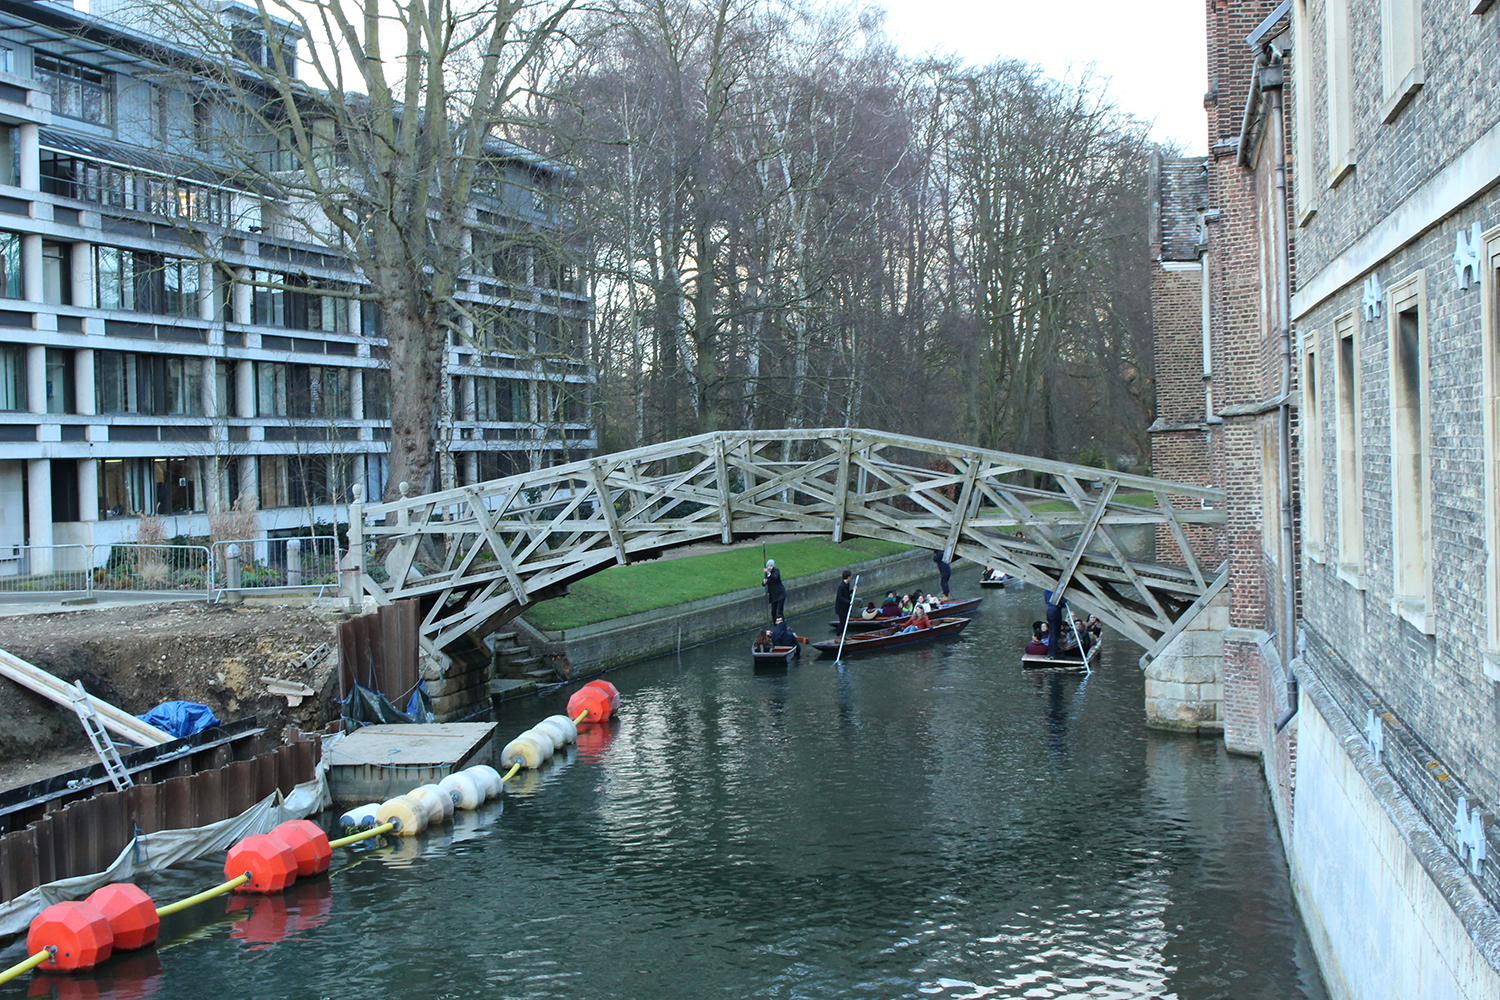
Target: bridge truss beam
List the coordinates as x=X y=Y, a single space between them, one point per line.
x=476 y=556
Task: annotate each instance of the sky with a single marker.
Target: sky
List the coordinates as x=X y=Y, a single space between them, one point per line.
x=1153 y=53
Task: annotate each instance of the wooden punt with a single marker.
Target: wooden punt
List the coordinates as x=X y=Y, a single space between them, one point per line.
x=779 y=656
x=891 y=637
x=1072 y=663
x=1001 y=581
x=953 y=609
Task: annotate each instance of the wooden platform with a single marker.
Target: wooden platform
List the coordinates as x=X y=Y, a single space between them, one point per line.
x=377 y=762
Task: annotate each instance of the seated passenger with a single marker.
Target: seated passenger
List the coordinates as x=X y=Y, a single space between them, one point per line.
x=919 y=620
x=782 y=634
x=763 y=642
x=1037 y=646
x=890 y=608
x=870 y=611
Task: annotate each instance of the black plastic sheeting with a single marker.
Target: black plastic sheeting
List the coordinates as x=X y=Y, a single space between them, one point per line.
x=365 y=707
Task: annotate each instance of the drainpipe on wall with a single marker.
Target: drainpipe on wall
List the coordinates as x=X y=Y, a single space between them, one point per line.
x=1270 y=81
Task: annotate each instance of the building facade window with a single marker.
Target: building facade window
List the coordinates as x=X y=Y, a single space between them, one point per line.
x=284 y=390
x=1350 y=471
x=57 y=274
x=1311 y=421
x=133 y=190
x=304 y=480
x=10 y=265
x=377 y=396
x=1304 y=170
x=1339 y=74
x=78 y=91
x=1489 y=266
x=129 y=487
x=60 y=381
x=139 y=281
x=498 y=399
x=148 y=384
x=12 y=377
x=1411 y=434
x=1400 y=54
x=297 y=303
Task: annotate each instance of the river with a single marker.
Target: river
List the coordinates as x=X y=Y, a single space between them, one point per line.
x=927 y=823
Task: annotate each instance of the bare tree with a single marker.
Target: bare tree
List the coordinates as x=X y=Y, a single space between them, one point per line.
x=382 y=142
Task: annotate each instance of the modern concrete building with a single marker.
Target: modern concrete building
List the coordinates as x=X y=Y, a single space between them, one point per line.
x=1350 y=248
x=164 y=349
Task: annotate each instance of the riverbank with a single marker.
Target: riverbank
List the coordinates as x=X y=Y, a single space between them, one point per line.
x=585 y=649
x=627 y=591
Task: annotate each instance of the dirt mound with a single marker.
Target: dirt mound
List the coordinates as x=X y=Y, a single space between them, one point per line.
x=138 y=656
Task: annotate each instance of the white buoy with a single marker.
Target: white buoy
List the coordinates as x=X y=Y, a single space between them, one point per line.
x=558 y=733
x=442 y=805
x=464 y=788
x=360 y=817
x=570 y=730
x=543 y=739
x=523 y=750
x=408 y=814
x=487 y=778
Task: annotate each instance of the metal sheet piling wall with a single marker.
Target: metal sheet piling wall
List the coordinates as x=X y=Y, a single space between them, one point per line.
x=85 y=836
x=380 y=650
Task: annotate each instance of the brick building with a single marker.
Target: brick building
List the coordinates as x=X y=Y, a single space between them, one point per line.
x=1385 y=230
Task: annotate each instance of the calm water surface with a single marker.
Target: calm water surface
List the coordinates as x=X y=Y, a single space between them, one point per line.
x=929 y=823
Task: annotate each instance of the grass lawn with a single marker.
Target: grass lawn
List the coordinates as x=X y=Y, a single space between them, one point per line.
x=1058 y=506
x=628 y=590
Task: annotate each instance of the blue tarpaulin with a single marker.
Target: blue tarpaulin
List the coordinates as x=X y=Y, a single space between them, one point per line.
x=180 y=718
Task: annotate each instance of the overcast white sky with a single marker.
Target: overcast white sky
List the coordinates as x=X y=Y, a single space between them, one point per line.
x=1152 y=51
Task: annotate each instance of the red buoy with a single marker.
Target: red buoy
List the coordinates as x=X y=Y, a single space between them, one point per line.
x=78 y=931
x=609 y=689
x=592 y=703
x=269 y=861
x=309 y=843
x=130 y=912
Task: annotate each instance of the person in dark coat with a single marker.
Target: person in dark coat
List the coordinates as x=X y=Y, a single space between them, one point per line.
x=1054 y=620
x=782 y=634
x=945 y=570
x=844 y=598
x=775 y=590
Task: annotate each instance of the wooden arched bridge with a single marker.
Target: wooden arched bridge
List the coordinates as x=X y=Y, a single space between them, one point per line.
x=476 y=556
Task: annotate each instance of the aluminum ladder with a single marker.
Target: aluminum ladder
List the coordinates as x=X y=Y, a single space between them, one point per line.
x=103 y=745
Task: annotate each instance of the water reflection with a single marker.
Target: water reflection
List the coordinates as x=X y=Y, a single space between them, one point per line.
x=931 y=822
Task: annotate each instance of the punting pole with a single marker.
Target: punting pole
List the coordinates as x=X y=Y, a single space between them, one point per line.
x=839 y=659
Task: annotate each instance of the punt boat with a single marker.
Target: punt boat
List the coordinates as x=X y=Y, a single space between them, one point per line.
x=892 y=636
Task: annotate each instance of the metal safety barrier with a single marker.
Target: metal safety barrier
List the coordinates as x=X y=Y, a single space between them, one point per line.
x=121 y=567
x=268 y=565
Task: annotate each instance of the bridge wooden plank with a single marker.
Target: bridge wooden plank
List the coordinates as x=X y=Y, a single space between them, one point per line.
x=961 y=509
x=841 y=487
x=606 y=506
x=721 y=471
x=486 y=521
x=1090 y=524
x=1110 y=542
x=1164 y=504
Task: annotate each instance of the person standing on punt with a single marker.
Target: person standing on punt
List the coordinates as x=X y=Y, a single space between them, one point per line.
x=945 y=570
x=1054 y=620
x=843 y=598
x=775 y=591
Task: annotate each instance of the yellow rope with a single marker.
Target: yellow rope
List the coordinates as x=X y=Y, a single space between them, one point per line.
x=28 y=965
x=374 y=831
x=218 y=890
x=512 y=772
x=580 y=716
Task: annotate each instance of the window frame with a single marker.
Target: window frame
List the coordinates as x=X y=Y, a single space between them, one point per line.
x=1411 y=515
x=1489 y=290
x=1401 y=69
x=1310 y=420
x=1349 y=442
x=1339 y=67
